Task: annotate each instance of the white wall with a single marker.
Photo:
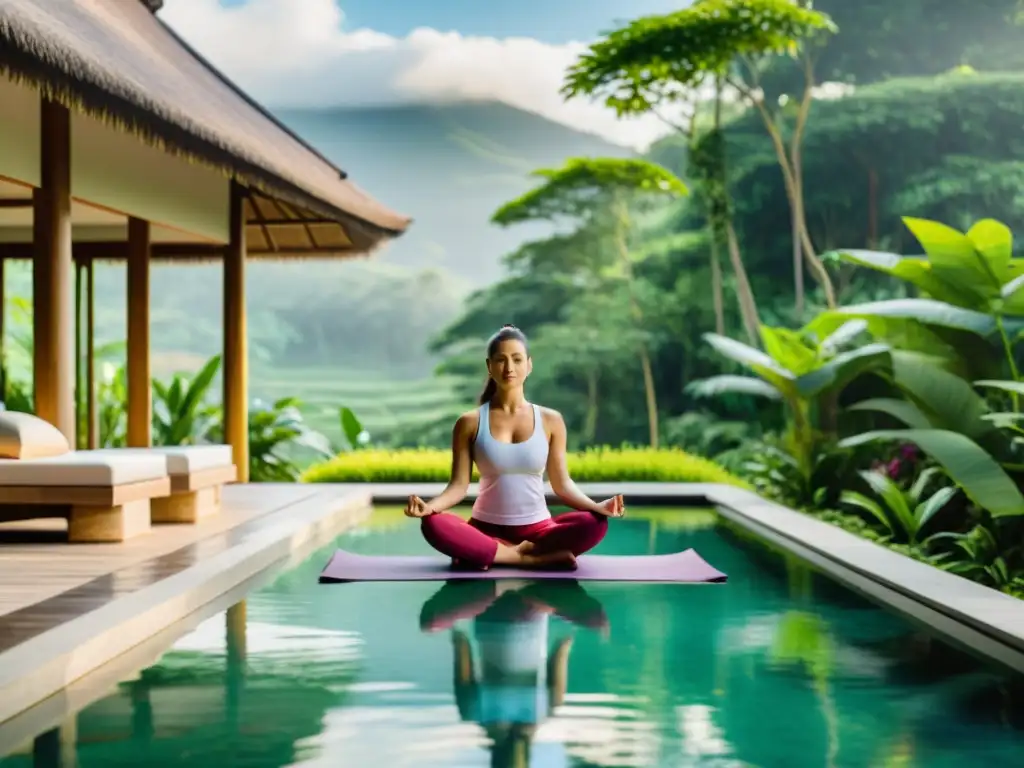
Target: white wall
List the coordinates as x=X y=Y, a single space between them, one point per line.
x=19 y=132
x=114 y=170
x=118 y=171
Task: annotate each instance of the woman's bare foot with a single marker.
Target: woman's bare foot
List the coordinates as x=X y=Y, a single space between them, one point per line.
x=561 y=560
x=522 y=556
x=525 y=547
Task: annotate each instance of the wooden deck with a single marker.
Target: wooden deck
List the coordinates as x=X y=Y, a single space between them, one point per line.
x=67 y=609
x=37 y=563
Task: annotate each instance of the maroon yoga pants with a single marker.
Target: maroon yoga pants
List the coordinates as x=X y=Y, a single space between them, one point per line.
x=474 y=543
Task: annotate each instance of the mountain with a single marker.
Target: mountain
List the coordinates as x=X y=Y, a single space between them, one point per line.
x=449 y=167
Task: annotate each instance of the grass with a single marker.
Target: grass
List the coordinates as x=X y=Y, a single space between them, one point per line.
x=596 y=465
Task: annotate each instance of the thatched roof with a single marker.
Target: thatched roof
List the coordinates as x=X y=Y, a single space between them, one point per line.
x=116 y=60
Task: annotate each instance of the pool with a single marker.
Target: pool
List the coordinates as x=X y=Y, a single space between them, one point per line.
x=778 y=668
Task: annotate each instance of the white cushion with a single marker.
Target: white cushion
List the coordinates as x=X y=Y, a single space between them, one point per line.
x=82 y=468
x=185 y=459
x=181 y=459
x=24 y=436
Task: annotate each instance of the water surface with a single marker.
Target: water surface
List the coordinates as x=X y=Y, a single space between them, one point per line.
x=776 y=669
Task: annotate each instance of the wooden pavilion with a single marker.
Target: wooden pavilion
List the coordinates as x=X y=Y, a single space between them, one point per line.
x=119 y=141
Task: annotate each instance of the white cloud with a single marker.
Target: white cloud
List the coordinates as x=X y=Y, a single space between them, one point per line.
x=290 y=53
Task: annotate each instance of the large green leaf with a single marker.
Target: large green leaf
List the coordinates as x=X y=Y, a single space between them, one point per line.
x=926 y=311
x=942 y=243
x=993 y=241
x=842 y=369
x=1006 y=386
x=903 y=410
x=949 y=401
x=911 y=269
x=966 y=464
x=897 y=332
x=1013 y=296
x=753 y=359
x=955 y=260
x=726 y=384
x=788 y=349
x=843 y=335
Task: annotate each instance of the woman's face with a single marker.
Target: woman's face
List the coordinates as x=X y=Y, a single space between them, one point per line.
x=510 y=364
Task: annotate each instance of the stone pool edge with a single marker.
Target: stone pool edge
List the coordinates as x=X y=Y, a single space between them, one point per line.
x=48 y=663
x=971 y=615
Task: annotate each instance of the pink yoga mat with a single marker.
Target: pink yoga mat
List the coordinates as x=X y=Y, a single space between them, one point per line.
x=682 y=567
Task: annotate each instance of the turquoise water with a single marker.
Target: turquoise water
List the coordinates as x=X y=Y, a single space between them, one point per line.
x=776 y=669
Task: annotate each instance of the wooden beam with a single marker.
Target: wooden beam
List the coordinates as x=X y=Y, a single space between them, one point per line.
x=92 y=414
x=140 y=398
x=12 y=202
x=118 y=251
x=53 y=329
x=235 y=371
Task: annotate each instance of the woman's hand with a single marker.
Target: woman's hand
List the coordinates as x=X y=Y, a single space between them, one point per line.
x=417 y=507
x=613 y=507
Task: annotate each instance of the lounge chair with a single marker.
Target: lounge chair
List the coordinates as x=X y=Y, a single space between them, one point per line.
x=197 y=472
x=105 y=498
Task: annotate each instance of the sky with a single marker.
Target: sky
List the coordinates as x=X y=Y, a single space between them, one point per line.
x=322 y=53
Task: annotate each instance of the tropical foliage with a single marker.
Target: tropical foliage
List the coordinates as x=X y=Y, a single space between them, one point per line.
x=952 y=491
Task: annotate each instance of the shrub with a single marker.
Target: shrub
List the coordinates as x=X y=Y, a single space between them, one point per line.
x=595 y=465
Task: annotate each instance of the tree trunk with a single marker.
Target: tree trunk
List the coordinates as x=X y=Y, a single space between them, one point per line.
x=794 y=188
x=652 y=402
x=590 y=424
x=621 y=224
x=717 y=297
x=717 y=288
x=798 y=266
x=872 y=208
x=744 y=293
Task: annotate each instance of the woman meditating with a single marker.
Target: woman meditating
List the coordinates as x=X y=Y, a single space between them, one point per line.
x=512 y=442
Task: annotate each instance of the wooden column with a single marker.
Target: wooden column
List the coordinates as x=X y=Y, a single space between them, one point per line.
x=140 y=398
x=235 y=370
x=79 y=372
x=91 y=414
x=53 y=303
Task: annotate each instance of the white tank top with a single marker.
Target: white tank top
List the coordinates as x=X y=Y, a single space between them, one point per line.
x=511 y=475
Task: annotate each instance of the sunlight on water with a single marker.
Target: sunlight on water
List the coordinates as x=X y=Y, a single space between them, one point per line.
x=773 y=669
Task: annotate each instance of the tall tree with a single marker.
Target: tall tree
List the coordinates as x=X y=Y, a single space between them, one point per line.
x=656 y=62
x=600 y=195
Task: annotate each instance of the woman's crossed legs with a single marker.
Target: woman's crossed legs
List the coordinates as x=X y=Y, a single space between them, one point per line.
x=479 y=545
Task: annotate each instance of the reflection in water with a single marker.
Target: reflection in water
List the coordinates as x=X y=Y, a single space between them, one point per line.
x=507 y=676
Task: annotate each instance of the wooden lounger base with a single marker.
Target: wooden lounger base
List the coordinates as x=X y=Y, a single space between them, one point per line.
x=95 y=514
x=194 y=497
x=187 y=506
x=103 y=524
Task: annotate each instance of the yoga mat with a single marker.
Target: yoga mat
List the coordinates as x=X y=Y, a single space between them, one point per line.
x=681 y=567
